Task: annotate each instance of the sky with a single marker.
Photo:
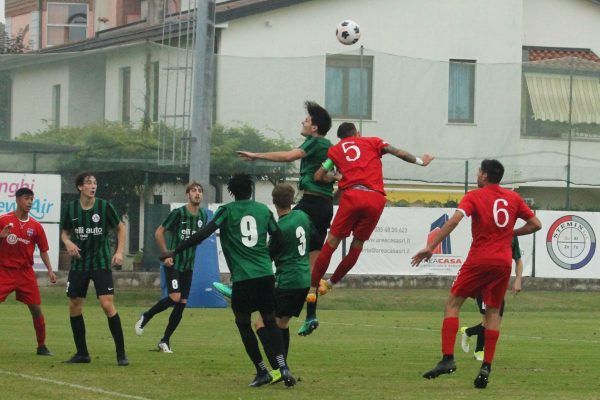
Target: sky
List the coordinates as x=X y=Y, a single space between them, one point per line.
x=1 y=10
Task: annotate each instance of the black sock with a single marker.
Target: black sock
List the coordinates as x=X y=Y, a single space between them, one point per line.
x=275 y=340
x=285 y=335
x=474 y=330
x=251 y=345
x=486 y=365
x=480 y=340
x=448 y=358
x=159 y=307
x=78 y=328
x=174 y=320
x=263 y=335
x=311 y=310
x=114 y=324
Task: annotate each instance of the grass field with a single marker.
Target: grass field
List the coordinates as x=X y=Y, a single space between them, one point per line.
x=372 y=344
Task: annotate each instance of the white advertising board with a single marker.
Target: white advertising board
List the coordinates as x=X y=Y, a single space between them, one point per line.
x=566 y=245
x=400 y=233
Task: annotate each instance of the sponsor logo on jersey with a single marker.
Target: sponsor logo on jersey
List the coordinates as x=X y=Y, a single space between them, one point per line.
x=12 y=239
x=571 y=242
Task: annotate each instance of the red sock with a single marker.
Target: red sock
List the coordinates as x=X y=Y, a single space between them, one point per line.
x=346 y=264
x=40 y=330
x=321 y=264
x=489 y=348
x=449 y=329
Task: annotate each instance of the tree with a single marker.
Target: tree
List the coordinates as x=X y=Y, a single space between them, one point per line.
x=14 y=44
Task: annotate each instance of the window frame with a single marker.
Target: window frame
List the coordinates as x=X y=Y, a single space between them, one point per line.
x=347 y=62
x=470 y=120
x=51 y=25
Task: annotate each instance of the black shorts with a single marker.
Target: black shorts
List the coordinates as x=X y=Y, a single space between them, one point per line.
x=254 y=295
x=178 y=281
x=320 y=211
x=289 y=302
x=78 y=282
x=481 y=306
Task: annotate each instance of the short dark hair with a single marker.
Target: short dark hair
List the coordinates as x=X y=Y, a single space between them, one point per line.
x=346 y=129
x=24 y=192
x=240 y=186
x=494 y=170
x=283 y=195
x=192 y=185
x=80 y=178
x=319 y=117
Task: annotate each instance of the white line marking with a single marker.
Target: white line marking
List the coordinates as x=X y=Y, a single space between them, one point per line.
x=72 y=385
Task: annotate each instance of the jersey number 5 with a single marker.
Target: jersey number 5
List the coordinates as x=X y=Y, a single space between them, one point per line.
x=249 y=231
x=351 y=147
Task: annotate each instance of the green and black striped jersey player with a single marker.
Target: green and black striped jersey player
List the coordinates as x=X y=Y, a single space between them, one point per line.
x=89 y=231
x=244 y=225
x=292 y=263
x=181 y=224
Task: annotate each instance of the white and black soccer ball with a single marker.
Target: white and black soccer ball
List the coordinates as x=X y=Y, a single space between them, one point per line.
x=347 y=32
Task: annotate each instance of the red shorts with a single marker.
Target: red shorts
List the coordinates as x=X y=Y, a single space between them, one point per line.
x=489 y=281
x=359 y=213
x=23 y=282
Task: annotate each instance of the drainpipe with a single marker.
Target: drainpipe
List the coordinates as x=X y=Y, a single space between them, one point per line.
x=40 y=25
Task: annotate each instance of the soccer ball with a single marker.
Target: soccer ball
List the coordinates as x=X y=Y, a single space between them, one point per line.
x=347 y=32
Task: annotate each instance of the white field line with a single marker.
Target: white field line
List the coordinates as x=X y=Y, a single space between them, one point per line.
x=72 y=385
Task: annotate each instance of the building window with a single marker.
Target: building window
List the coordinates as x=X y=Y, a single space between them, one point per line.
x=125 y=79
x=56 y=106
x=461 y=91
x=349 y=86
x=67 y=22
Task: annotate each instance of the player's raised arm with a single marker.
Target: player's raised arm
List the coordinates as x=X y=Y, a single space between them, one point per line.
x=323 y=173
x=193 y=240
x=408 y=157
x=427 y=252
x=279 y=156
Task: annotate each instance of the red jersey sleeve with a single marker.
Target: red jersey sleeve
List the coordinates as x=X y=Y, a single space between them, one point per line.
x=380 y=144
x=467 y=205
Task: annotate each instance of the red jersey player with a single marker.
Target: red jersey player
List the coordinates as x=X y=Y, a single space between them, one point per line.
x=19 y=234
x=358 y=160
x=486 y=271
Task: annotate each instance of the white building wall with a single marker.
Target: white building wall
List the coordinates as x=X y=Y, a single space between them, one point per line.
x=32 y=97
x=411 y=42
x=560 y=23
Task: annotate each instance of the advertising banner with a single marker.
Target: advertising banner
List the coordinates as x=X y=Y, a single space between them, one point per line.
x=400 y=233
x=566 y=245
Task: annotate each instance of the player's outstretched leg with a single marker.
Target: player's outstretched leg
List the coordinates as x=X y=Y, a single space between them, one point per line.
x=445 y=366
x=482 y=378
x=311 y=323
